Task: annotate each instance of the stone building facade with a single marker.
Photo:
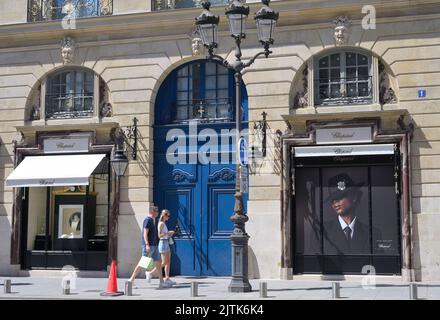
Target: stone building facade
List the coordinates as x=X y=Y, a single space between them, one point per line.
x=132 y=47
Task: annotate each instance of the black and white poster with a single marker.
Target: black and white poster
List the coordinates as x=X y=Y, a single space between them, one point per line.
x=346 y=211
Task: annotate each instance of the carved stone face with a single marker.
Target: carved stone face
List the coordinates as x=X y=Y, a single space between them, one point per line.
x=67 y=54
x=341 y=35
x=67 y=50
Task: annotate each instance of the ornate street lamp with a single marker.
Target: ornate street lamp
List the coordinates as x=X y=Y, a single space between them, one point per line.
x=207 y=24
x=237 y=14
x=266 y=19
x=119 y=164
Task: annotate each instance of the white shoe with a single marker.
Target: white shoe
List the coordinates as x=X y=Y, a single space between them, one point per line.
x=148 y=276
x=170 y=282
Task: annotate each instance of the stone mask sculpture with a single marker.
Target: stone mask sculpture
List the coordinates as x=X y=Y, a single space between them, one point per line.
x=342 y=30
x=67 y=50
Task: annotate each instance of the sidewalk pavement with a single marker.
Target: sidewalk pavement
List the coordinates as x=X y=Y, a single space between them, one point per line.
x=212 y=288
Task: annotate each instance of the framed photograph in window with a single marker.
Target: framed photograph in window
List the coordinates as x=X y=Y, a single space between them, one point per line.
x=70 y=221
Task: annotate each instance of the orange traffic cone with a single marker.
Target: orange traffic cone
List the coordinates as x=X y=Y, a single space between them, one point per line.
x=112 y=284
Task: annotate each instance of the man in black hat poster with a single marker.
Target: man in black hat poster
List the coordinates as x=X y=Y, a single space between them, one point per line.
x=345 y=234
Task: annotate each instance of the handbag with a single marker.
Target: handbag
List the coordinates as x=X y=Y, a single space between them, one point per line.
x=146 y=263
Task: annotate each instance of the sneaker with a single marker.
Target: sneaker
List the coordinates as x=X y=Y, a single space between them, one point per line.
x=169 y=281
x=164 y=285
x=148 y=276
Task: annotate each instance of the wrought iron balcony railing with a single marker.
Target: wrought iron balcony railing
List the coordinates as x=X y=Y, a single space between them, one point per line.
x=219 y=109
x=181 y=4
x=340 y=91
x=46 y=10
x=69 y=106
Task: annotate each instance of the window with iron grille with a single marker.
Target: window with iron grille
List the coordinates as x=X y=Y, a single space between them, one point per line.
x=70 y=94
x=204 y=91
x=181 y=4
x=46 y=10
x=343 y=78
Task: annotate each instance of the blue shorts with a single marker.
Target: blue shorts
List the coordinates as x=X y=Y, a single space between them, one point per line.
x=164 y=246
x=154 y=253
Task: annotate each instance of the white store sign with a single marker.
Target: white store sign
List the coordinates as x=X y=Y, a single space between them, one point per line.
x=344 y=135
x=352 y=150
x=66 y=145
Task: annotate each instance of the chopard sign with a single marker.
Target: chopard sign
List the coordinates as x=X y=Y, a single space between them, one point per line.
x=66 y=145
x=344 y=135
x=341 y=135
x=62 y=145
x=46 y=182
x=340 y=151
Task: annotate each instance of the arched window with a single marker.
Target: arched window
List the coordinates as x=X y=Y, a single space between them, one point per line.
x=203 y=92
x=343 y=78
x=200 y=90
x=70 y=94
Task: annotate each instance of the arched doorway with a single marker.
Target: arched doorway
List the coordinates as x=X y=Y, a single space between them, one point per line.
x=194 y=164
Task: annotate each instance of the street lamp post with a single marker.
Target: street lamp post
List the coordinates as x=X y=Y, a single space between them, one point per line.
x=207 y=24
x=119 y=164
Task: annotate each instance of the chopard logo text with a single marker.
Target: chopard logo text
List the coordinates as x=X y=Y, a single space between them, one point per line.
x=343 y=151
x=341 y=135
x=62 y=145
x=46 y=182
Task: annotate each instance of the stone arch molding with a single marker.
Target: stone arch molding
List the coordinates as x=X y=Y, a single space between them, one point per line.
x=385 y=86
x=34 y=111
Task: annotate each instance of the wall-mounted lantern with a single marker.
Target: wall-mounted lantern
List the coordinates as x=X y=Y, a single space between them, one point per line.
x=119 y=163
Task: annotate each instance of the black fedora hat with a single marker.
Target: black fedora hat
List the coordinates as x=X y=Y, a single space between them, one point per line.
x=342 y=186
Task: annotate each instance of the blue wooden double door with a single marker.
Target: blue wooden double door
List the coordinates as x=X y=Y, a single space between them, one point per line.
x=200 y=197
x=194 y=163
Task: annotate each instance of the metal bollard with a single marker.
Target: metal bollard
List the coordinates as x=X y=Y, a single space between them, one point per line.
x=128 y=288
x=336 y=290
x=7 y=285
x=413 y=291
x=263 y=289
x=194 y=289
x=66 y=287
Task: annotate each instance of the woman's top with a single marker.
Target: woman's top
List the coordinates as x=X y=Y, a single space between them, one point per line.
x=164 y=231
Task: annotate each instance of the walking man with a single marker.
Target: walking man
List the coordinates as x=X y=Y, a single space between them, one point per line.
x=150 y=242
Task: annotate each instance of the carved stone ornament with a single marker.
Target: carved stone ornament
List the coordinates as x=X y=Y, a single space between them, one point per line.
x=342 y=30
x=19 y=139
x=288 y=130
x=197 y=46
x=35 y=113
x=117 y=137
x=68 y=50
x=386 y=93
x=106 y=110
x=301 y=99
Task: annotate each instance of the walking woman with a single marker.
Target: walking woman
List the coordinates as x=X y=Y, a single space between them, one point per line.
x=164 y=245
